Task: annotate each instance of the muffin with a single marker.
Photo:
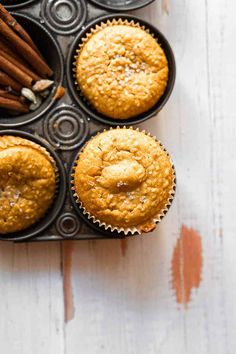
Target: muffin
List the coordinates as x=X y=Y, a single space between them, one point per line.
x=121 y=69
x=124 y=179
x=27 y=183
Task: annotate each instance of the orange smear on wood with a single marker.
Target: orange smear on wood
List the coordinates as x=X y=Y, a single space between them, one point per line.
x=186 y=264
x=67 y=286
x=165 y=6
x=124 y=246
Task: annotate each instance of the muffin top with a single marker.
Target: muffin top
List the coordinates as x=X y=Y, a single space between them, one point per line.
x=27 y=183
x=122 y=71
x=124 y=178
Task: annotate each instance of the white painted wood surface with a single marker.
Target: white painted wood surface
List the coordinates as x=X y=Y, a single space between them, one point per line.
x=98 y=297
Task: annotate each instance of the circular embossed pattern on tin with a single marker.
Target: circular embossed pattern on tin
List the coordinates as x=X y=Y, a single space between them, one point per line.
x=64 y=16
x=122 y=5
x=53 y=56
x=12 y=5
x=68 y=225
x=60 y=194
x=86 y=106
x=66 y=127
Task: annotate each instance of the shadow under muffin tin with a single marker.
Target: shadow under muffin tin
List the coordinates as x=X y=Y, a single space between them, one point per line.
x=64 y=126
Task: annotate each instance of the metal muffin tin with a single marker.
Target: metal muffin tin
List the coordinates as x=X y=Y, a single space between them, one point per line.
x=62 y=127
x=121 y=5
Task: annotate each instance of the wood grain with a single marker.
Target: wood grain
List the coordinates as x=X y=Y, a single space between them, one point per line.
x=31 y=299
x=130 y=299
x=67 y=253
x=112 y=297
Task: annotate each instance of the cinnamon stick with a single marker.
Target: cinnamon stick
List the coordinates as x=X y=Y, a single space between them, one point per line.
x=30 y=55
x=7 y=49
x=7 y=17
x=10 y=90
x=6 y=94
x=16 y=73
x=19 y=65
x=13 y=105
x=6 y=80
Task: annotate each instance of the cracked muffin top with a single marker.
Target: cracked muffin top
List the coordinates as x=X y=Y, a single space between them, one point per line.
x=124 y=178
x=27 y=183
x=121 y=70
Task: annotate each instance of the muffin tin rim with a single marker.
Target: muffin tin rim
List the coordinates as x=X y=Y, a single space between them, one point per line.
x=19 y=6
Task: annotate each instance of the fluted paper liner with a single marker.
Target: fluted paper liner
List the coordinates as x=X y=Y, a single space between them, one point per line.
x=135 y=229
x=7 y=141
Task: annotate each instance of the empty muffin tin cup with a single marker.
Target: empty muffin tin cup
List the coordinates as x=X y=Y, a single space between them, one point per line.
x=86 y=106
x=60 y=193
x=53 y=56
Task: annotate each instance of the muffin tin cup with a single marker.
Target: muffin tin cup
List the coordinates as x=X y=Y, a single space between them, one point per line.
x=110 y=229
x=58 y=202
x=62 y=127
x=81 y=100
x=47 y=45
x=121 y=5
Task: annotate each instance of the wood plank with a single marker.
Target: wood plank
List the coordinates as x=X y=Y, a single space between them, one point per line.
x=126 y=304
x=31 y=303
x=222 y=90
x=119 y=297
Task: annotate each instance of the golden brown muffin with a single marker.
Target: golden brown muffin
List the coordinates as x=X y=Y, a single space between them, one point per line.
x=124 y=178
x=121 y=70
x=27 y=183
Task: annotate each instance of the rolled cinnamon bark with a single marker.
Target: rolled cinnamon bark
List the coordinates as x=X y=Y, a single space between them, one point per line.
x=16 y=73
x=13 y=105
x=7 y=81
x=8 y=50
x=6 y=94
x=23 y=48
x=7 y=17
x=19 y=65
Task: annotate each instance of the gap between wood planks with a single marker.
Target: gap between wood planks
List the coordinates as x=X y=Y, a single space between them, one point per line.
x=67 y=249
